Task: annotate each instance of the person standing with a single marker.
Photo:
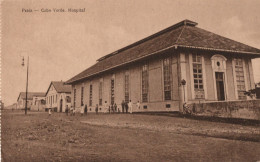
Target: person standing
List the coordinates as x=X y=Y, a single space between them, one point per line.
x=126 y=107
x=74 y=111
x=138 y=105
x=49 y=111
x=112 y=108
x=106 y=107
x=67 y=110
x=96 y=109
x=82 y=110
x=115 y=107
x=130 y=107
x=123 y=106
x=86 y=109
x=71 y=111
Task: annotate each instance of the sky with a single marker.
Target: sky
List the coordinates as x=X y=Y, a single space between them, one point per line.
x=61 y=45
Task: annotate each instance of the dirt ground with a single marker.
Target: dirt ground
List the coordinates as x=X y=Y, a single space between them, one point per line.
x=124 y=137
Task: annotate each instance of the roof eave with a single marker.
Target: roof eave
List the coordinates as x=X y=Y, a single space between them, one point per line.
x=220 y=50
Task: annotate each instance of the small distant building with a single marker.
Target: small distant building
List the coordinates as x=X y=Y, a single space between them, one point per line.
x=38 y=102
x=21 y=100
x=11 y=107
x=58 y=96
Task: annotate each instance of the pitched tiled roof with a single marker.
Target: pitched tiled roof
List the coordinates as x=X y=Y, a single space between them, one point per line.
x=61 y=87
x=30 y=95
x=183 y=34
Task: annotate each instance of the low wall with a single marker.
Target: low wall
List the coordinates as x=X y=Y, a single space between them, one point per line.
x=228 y=109
x=38 y=107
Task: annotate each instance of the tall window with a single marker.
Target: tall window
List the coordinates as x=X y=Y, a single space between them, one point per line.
x=82 y=95
x=100 y=92
x=74 y=101
x=240 y=79
x=90 y=94
x=145 y=83
x=127 y=87
x=112 y=91
x=167 y=78
x=197 y=76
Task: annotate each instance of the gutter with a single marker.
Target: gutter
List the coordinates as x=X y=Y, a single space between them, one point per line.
x=215 y=49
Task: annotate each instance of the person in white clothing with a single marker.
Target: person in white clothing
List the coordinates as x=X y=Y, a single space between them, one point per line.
x=106 y=107
x=49 y=111
x=82 y=110
x=130 y=106
x=138 y=105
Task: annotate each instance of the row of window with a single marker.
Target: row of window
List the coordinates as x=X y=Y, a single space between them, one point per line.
x=51 y=99
x=167 y=85
x=167 y=80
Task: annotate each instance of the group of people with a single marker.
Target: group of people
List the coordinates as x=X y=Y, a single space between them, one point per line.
x=110 y=108
x=127 y=107
x=72 y=110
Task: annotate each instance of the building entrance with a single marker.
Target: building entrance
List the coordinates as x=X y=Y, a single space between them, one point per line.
x=220 y=86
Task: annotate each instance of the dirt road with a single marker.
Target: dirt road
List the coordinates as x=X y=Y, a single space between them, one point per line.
x=124 y=137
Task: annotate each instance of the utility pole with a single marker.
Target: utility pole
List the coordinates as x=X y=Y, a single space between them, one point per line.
x=26 y=93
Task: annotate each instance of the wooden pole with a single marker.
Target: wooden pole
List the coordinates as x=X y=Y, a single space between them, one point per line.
x=26 y=96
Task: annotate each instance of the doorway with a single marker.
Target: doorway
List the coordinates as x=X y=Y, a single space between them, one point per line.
x=220 y=86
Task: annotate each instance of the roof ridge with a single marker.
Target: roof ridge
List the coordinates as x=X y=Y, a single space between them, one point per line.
x=32 y=92
x=180 y=34
x=57 y=81
x=172 y=27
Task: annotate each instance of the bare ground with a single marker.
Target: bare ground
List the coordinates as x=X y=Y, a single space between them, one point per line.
x=124 y=137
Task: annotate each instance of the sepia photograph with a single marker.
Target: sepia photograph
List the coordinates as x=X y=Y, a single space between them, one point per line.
x=130 y=80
